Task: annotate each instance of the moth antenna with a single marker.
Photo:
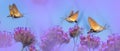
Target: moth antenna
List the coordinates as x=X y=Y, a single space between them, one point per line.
x=106 y=26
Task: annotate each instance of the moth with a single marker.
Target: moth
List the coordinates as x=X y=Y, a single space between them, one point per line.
x=73 y=17
x=95 y=27
x=14 y=12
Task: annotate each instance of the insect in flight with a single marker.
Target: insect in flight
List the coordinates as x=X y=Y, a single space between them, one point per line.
x=14 y=12
x=95 y=27
x=72 y=17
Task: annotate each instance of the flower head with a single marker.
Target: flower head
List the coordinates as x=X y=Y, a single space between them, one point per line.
x=24 y=36
x=75 y=31
x=53 y=37
x=112 y=44
x=5 y=39
x=90 y=41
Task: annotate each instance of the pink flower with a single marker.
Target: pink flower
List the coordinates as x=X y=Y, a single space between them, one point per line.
x=24 y=36
x=90 y=41
x=112 y=44
x=5 y=39
x=75 y=31
x=53 y=37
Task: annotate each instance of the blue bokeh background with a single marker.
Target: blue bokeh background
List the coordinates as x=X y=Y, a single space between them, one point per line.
x=41 y=15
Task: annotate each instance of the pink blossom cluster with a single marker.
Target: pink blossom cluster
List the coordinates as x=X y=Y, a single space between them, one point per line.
x=5 y=39
x=75 y=31
x=24 y=36
x=112 y=44
x=53 y=37
x=90 y=41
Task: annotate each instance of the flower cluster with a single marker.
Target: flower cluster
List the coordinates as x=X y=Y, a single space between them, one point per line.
x=90 y=41
x=53 y=37
x=24 y=36
x=75 y=31
x=5 y=39
x=112 y=44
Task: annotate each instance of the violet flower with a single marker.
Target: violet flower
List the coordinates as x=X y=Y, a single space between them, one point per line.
x=75 y=31
x=24 y=36
x=90 y=41
x=53 y=37
x=5 y=39
x=112 y=44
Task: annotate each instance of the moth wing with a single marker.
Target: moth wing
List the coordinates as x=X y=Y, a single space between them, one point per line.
x=93 y=24
x=74 y=16
x=11 y=10
x=71 y=13
x=15 y=9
